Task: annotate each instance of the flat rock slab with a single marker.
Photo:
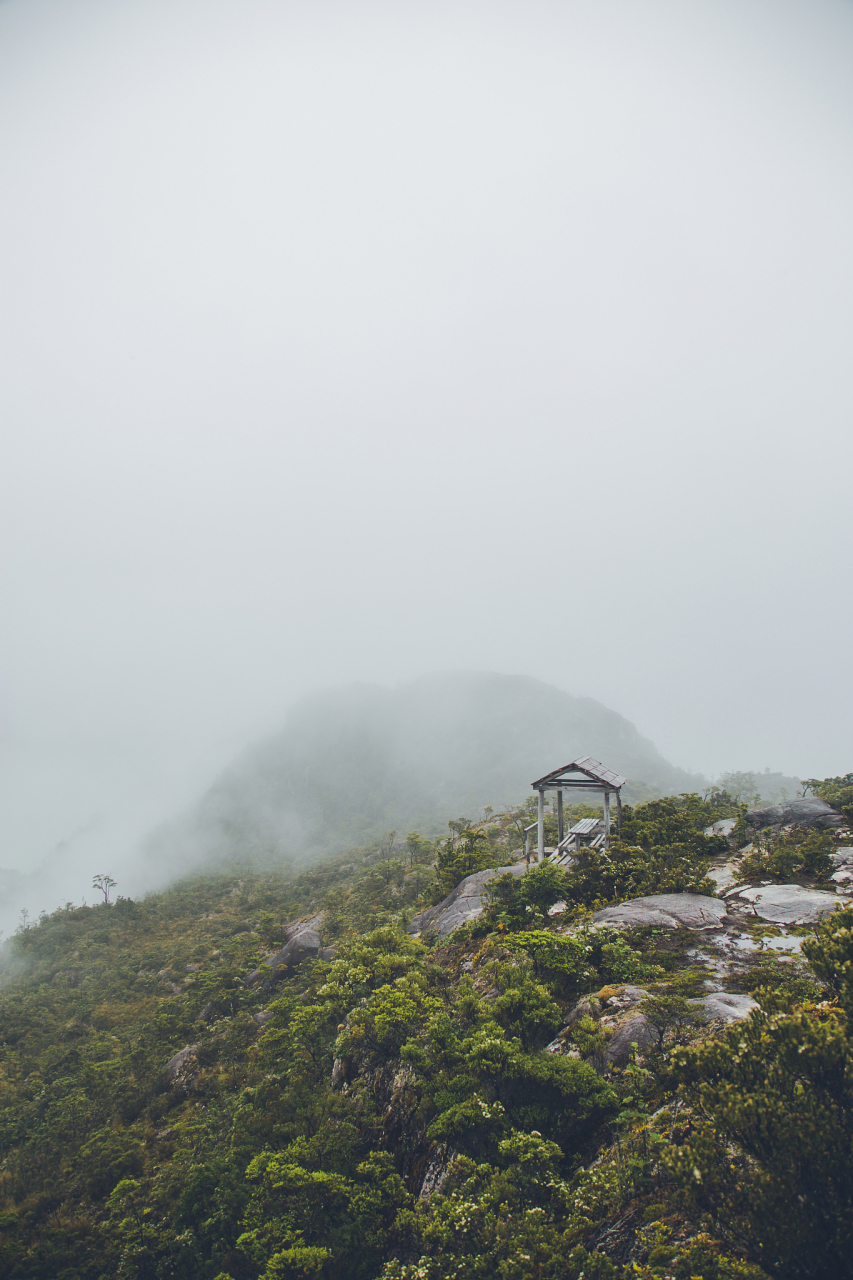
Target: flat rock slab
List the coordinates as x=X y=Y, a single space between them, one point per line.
x=789 y=903
x=463 y=904
x=725 y=874
x=666 y=911
x=729 y=1007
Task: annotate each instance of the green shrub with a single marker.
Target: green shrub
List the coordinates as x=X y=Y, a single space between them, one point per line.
x=788 y=854
x=768 y=1151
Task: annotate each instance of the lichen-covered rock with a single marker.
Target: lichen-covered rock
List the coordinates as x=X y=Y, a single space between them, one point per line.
x=637 y=1031
x=584 y=1008
x=464 y=904
x=437 y=1170
x=176 y=1065
x=807 y=812
x=624 y=997
x=666 y=911
x=303 y=946
x=182 y=1069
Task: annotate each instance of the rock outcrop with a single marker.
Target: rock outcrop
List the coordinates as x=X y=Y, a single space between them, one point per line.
x=182 y=1069
x=666 y=911
x=807 y=812
x=465 y=903
x=304 y=944
x=640 y=1032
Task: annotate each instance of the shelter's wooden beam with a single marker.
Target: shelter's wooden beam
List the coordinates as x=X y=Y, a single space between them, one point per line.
x=577 y=786
x=541 y=825
x=559 y=817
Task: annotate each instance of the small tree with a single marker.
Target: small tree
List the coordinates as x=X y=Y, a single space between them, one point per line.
x=465 y=852
x=103 y=884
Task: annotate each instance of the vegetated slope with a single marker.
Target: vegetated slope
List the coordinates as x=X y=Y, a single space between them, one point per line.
x=400 y=1112
x=354 y=762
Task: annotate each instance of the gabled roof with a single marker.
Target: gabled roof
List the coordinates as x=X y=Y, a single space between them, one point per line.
x=580 y=772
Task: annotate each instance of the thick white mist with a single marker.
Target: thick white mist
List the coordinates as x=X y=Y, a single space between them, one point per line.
x=354 y=341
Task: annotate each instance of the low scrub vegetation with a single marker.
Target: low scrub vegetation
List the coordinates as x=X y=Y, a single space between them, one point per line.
x=401 y=1111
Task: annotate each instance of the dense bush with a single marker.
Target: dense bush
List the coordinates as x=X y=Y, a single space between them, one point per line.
x=768 y=1153
x=787 y=854
x=836 y=791
x=295 y=1138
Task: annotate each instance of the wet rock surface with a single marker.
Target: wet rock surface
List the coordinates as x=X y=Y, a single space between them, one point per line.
x=788 y=903
x=665 y=910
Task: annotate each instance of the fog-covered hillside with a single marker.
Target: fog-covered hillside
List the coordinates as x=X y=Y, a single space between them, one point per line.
x=354 y=762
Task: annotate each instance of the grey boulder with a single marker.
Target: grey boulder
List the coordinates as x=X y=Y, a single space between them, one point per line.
x=789 y=903
x=666 y=911
x=304 y=946
x=724 y=827
x=640 y=1032
x=176 y=1065
x=729 y=1007
x=808 y=812
x=583 y=1009
x=465 y=903
x=301 y=947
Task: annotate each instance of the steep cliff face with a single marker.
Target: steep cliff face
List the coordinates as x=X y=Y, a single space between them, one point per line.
x=354 y=762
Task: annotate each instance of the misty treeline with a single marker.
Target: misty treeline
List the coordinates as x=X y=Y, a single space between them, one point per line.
x=393 y=1112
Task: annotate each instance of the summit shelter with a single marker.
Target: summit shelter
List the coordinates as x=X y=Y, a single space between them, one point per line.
x=585 y=774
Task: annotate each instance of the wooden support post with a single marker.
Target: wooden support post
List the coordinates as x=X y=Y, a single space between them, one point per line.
x=618 y=813
x=541 y=821
x=559 y=817
x=606 y=818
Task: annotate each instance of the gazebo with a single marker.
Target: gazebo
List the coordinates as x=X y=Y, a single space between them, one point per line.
x=585 y=774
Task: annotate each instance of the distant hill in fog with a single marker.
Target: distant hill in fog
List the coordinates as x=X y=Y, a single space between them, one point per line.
x=354 y=762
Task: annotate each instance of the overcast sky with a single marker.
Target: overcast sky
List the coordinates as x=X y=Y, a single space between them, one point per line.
x=352 y=341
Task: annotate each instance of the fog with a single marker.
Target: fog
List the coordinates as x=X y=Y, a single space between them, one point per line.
x=353 y=341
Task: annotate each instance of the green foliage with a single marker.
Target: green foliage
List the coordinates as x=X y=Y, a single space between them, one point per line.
x=583 y=960
x=769 y=1154
x=662 y=849
x=788 y=854
x=516 y=901
x=461 y=854
x=836 y=791
x=506 y=1221
x=294 y=1140
x=303 y=1221
x=830 y=954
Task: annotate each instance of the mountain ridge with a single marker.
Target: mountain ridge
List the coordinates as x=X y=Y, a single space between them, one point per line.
x=354 y=761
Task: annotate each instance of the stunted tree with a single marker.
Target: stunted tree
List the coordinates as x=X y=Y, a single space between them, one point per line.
x=103 y=884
